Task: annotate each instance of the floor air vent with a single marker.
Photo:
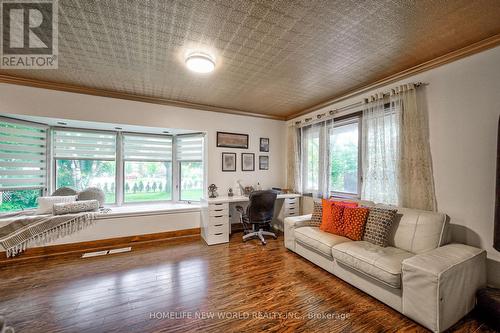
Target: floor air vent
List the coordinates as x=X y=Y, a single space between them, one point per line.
x=103 y=253
x=94 y=254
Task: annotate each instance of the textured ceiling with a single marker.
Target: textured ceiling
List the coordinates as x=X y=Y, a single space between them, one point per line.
x=273 y=57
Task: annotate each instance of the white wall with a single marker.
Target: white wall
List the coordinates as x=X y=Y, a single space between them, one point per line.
x=56 y=104
x=463 y=101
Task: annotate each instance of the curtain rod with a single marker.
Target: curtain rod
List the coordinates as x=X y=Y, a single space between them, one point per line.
x=345 y=108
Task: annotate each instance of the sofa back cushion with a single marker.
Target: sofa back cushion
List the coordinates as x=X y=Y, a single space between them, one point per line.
x=417 y=231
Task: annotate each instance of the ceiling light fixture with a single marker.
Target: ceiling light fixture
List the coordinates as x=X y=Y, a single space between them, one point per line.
x=200 y=62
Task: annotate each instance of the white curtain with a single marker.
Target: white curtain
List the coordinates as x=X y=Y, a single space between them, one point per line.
x=380 y=151
x=416 y=188
x=397 y=163
x=294 y=177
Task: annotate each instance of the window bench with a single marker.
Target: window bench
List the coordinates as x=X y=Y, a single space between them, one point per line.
x=122 y=227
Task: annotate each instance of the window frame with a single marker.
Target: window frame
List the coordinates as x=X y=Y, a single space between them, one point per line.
x=305 y=156
x=324 y=144
x=178 y=168
x=122 y=202
x=120 y=164
x=46 y=187
x=47 y=129
x=343 y=121
x=53 y=181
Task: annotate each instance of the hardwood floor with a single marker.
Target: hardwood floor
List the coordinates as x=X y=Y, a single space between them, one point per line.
x=167 y=286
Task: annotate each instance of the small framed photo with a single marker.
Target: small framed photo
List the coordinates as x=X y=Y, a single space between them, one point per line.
x=232 y=140
x=264 y=145
x=228 y=162
x=263 y=162
x=247 y=162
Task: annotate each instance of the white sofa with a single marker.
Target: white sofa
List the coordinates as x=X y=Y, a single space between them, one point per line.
x=417 y=274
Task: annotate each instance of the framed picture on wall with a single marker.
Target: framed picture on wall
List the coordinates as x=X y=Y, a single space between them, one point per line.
x=263 y=162
x=247 y=162
x=232 y=140
x=228 y=162
x=264 y=145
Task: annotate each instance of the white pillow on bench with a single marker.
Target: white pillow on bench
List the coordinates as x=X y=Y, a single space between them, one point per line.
x=46 y=204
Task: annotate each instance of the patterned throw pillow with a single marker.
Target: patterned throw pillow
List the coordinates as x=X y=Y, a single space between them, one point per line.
x=354 y=220
x=76 y=207
x=332 y=218
x=350 y=204
x=378 y=226
x=317 y=215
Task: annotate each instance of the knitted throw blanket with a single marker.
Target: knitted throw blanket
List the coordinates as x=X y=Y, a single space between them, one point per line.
x=21 y=230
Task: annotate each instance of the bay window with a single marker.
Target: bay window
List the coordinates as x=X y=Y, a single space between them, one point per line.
x=36 y=159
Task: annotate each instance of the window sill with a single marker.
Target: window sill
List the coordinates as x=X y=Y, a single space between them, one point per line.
x=149 y=209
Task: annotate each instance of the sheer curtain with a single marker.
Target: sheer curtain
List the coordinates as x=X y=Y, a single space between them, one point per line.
x=396 y=162
x=415 y=166
x=315 y=162
x=294 y=177
x=380 y=151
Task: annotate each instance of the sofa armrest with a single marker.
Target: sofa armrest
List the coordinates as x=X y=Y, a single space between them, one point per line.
x=439 y=286
x=289 y=226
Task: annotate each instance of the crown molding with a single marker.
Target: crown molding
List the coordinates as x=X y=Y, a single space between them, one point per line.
x=477 y=47
x=11 y=79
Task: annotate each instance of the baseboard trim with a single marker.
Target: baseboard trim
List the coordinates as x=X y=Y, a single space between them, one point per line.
x=98 y=245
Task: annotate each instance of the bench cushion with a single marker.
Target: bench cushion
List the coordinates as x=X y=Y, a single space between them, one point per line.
x=381 y=263
x=318 y=240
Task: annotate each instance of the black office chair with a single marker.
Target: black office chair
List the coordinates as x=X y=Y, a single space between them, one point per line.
x=258 y=216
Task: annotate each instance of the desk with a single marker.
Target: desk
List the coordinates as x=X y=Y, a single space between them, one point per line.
x=216 y=214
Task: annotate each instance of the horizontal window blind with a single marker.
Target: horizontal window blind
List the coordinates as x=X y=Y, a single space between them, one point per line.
x=69 y=144
x=23 y=153
x=147 y=147
x=190 y=147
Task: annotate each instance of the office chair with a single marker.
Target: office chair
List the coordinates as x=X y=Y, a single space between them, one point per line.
x=258 y=215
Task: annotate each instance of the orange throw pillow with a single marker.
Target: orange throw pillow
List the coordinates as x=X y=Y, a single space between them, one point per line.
x=354 y=220
x=332 y=218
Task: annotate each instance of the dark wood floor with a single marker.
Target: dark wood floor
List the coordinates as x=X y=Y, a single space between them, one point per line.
x=251 y=287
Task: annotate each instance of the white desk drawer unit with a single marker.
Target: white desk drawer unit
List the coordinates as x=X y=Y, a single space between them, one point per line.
x=217 y=224
x=291 y=207
x=215 y=221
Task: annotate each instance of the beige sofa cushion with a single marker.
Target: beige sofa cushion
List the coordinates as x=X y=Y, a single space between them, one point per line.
x=381 y=263
x=417 y=231
x=318 y=240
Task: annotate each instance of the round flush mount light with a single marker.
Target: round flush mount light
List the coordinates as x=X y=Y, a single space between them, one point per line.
x=200 y=62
